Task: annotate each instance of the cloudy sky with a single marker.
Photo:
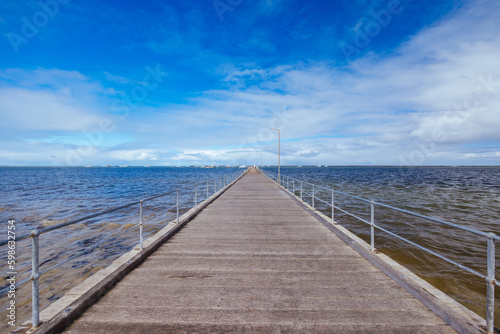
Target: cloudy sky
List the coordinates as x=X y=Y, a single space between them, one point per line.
x=160 y=82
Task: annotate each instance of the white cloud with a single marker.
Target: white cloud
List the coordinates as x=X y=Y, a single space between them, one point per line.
x=134 y=155
x=50 y=100
x=28 y=110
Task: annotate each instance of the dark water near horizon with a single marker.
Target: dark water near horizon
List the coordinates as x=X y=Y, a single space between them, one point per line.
x=45 y=196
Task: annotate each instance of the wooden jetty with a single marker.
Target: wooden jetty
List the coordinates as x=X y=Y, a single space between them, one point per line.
x=254 y=260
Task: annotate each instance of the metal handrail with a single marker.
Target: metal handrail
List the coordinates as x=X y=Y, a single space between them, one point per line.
x=55 y=227
x=218 y=184
x=464 y=228
x=284 y=182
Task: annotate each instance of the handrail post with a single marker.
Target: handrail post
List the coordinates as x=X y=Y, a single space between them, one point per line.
x=196 y=195
x=490 y=290
x=333 y=206
x=293 y=186
x=35 y=275
x=207 y=190
x=215 y=186
x=301 y=190
x=141 y=222
x=313 y=196
x=372 y=226
x=177 y=206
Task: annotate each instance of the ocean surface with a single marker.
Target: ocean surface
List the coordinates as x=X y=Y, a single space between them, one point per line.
x=45 y=196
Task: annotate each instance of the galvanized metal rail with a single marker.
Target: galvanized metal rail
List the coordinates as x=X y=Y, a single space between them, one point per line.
x=198 y=189
x=289 y=184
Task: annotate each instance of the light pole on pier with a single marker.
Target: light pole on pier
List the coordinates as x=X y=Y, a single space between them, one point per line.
x=279 y=152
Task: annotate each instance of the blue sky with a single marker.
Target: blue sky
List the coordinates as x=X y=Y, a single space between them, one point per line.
x=202 y=82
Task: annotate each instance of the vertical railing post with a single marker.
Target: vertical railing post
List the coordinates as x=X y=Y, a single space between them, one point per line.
x=333 y=206
x=196 y=195
x=372 y=226
x=177 y=206
x=313 y=196
x=293 y=186
x=207 y=190
x=490 y=281
x=301 y=190
x=141 y=222
x=215 y=186
x=35 y=275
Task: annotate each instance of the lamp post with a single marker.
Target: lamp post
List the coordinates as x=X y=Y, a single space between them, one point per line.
x=279 y=153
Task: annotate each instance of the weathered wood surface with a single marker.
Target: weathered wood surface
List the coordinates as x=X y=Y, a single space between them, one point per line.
x=255 y=261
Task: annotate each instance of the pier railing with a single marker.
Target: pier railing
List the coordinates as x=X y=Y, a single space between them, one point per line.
x=194 y=192
x=308 y=193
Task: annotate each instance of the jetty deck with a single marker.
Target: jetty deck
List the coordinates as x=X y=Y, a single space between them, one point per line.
x=255 y=261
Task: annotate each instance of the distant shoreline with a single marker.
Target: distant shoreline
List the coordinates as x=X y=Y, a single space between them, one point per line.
x=266 y=166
